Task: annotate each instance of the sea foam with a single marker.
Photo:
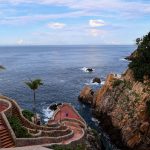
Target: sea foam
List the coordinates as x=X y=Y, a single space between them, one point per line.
x=48 y=113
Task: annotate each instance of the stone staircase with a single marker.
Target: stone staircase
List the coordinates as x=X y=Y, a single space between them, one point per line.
x=5 y=138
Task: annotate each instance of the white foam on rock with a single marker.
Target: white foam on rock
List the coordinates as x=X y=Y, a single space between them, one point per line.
x=48 y=113
x=95 y=83
x=95 y=120
x=84 y=69
x=103 y=82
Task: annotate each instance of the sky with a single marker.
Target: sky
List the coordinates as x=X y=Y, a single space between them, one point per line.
x=73 y=22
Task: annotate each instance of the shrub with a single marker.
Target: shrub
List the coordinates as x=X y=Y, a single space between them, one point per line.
x=20 y=131
x=116 y=83
x=140 y=64
x=28 y=114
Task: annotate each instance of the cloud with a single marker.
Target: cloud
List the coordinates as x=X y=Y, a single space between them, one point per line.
x=97 y=32
x=56 y=25
x=20 y=41
x=96 y=23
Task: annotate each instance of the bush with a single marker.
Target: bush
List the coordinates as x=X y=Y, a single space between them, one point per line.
x=140 y=64
x=20 y=131
x=116 y=83
x=28 y=114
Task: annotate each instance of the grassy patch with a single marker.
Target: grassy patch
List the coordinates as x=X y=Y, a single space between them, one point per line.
x=20 y=131
x=116 y=83
x=28 y=114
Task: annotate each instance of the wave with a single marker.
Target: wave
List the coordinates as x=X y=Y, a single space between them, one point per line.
x=95 y=120
x=103 y=82
x=48 y=113
x=84 y=69
x=95 y=83
x=123 y=59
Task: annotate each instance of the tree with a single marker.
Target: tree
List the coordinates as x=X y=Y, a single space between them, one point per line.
x=138 y=40
x=34 y=85
x=140 y=63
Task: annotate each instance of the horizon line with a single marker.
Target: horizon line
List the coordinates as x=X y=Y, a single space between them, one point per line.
x=67 y=45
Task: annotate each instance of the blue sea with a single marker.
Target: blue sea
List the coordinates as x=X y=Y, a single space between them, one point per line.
x=62 y=70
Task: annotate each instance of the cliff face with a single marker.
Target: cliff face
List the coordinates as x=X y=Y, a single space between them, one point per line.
x=124 y=101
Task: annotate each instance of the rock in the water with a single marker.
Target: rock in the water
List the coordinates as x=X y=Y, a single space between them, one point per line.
x=96 y=80
x=89 y=69
x=53 y=107
x=86 y=95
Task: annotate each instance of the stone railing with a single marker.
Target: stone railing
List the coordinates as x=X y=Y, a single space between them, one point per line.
x=42 y=140
x=80 y=123
x=56 y=133
x=29 y=124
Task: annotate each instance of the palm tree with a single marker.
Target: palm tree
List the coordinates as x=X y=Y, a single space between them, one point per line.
x=34 y=85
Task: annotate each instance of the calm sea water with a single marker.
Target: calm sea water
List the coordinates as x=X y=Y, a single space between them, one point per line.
x=62 y=70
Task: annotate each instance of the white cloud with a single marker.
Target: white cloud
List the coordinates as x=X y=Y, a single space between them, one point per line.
x=96 y=32
x=96 y=23
x=56 y=25
x=20 y=41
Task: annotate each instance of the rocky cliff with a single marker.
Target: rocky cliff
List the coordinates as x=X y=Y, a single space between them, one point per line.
x=124 y=102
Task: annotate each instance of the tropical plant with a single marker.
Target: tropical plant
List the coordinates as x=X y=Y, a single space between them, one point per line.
x=34 y=85
x=28 y=114
x=2 y=67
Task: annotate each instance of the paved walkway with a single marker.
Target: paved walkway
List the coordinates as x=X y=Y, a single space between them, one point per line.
x=2 y=107
x=67 y=111
x=27 y=148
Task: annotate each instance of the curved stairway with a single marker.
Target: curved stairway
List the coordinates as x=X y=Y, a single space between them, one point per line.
x=5 y=138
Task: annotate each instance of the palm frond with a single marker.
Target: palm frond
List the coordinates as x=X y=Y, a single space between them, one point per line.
x=34 y=84
x=2 y=67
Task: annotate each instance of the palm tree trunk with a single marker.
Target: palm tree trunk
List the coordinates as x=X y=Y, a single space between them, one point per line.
x=33 y=101
x=34 y=109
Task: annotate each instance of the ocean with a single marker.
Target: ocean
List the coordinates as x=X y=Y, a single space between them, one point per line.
x=62 y=70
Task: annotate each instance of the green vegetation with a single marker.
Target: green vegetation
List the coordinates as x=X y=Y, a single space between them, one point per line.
x=34 y=85
x=116 y=83
x=60 y=147
x=140 y=64
x=28 y=114
x=2 y=67
x=20 y=131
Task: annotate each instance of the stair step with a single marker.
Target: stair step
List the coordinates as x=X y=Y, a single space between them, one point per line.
x=4 y=134
x=5 y=140
x=5 y=137
x=6 y=143
x=9 y=145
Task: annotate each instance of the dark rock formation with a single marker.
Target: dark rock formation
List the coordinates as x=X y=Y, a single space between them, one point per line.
x=86 y=95
x=54 y=106
x=96 y=80
x=89 y=69
x=92 y=140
